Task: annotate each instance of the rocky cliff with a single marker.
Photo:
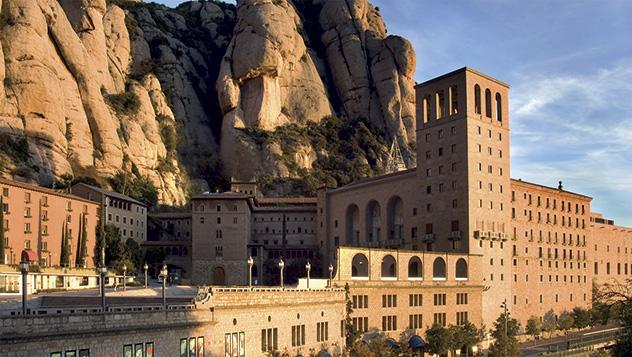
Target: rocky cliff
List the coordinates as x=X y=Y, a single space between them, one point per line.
x=268 y=89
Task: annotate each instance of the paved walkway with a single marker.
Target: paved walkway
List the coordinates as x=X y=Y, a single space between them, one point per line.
x=560 y=343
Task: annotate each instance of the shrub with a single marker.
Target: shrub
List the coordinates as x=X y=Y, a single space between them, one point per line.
x=126 y=103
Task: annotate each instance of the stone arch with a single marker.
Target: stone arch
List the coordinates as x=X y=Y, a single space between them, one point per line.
x=461 y=269
x=499 y=107
x=477 y=99
x=352 y=225
x=219 y=276
x=438 y=268
x=389 y=267
x=373 y=217
x=415 y=268
x=395 y=211
x=359 y=266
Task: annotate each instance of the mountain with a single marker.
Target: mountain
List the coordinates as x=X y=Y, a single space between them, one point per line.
x=295 y=94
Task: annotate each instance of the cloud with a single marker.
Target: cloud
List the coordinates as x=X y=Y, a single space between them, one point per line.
x=577 y=128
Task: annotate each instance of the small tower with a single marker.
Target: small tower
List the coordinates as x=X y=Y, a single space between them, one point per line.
x=395 y=161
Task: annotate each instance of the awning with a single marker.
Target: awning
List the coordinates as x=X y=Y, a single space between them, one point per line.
x=324 y=353
x=29 y=256
x=391 y=343
x=416 y=342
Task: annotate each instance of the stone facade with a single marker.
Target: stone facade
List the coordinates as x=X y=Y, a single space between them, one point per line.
x=172 y=233
x=34 y=220
x=218 y=316
x=230 y=227
x=124 y=212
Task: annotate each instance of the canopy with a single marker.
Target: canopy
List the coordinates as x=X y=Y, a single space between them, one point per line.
x=391 y=343
x=416 y=342
x=324 y=353
x=29 y=256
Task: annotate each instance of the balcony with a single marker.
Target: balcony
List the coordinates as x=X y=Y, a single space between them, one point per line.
x=373 y=244
x=429 y=238
x=454 y=235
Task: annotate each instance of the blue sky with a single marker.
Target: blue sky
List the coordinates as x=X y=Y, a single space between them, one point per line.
x=569 y=64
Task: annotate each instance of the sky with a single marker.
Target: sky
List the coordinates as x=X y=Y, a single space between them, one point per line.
x=569 y=64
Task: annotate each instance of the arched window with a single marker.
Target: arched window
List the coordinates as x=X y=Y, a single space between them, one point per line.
x=359 y=266
x=426 y=108
x=415 y=268
x=389 y=267
x=454 y=100
x=373 y=221
x=352 y=223
x=499 y=107
x=438 y=269
x=395 y=210
x=477 y=99
x=461 y=269
x=488 y=103
x=440 y=104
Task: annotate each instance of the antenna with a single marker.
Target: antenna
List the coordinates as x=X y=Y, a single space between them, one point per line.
x=395 y=161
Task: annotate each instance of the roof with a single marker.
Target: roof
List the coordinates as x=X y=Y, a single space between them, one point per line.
x=460 y=70
x=34 y=187
x=368 y=180
x=221 y=196
x=111 y=194
x=170 y=215
x=519 y=181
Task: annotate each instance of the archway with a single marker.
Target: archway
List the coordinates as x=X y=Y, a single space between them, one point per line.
x=415 y=268
x=438 y=269
x=360 y=266
x=373 y=221
x=219 y=276
x=461 y=269
x=389 y=267
x=395 y=210
x=353 y=225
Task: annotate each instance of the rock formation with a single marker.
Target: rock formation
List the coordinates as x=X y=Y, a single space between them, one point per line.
x=92 y=88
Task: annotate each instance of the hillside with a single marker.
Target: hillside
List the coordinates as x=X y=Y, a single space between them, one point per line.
x=295 y=94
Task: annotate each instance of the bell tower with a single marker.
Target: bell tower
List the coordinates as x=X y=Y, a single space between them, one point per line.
x=463 y=173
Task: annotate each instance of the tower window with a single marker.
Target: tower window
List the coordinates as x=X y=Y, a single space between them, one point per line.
x=488 y=103
x=454 y=100
x=477 y=99
x=499 y=107
x=440 y=104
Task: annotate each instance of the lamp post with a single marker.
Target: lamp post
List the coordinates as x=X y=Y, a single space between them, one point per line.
x=124 y=277
x=163 y=274
x=24 y=268
x=308 y=266
x=251 y=262
x=504 y=306
x=103 y=270
x=281 y=267
x=145 y=267
x=331 y=275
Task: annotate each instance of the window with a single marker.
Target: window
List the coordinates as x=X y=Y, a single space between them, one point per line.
x=389 y=323
x=389 y=300
x=499 y=107
x=488 y=103
x=461 y=318
x=461 y=298
x=360 y=301
x=439 y=299
x=219 y=251
x=415 y=321
x=218 y=233
x=440 y=104
x=477 y=99
x=415 y=300
x=440 y=318
x=269 y=340
x=426 y=108
x=298 y=335
x=322 y=331
x=454 y=100
x=360 y=324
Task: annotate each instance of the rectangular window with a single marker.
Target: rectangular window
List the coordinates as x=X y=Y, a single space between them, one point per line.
x=461 y=298
x=298 y=335
x=461 y=318
x=415 y=321
x=360 y=324
x=439 y=299
x=269 y=340
x=389 y=323
x=415 y=300
x=322 y=331
x=440 y=318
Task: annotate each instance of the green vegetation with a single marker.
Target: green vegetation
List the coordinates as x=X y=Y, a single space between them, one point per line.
x=347 y=150
x=64 y=256
x=505 y=343
x=438 y=340
x=534 y=327
x=15 y=149
x=614 y=302
x=119 y=253
x=125 y=103
x=138 y=188
x=82 y=243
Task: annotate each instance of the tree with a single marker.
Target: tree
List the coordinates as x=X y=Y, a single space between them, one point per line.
x=534 y=326
x=549 y=322
x=565 y=321
x=351 y=334
x=618 y=300
x=471 y=335
x=99 y=246
x=64 y=257
x=438 y=339
x=457 y=338
x=82 y=247
x=505 y=343
x=581 y=318
x=134 y=254
x=154 y=256
x=2 y=241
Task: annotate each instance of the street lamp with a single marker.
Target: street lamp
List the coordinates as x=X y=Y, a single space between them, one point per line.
x=163 y=274
x=331 y=275
x=308 y=266
x=281 y=266
x=24 y=268
x=251 y=262
x=103 y=270
x=506 y=314
x=124 y=277
x=145 y=267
